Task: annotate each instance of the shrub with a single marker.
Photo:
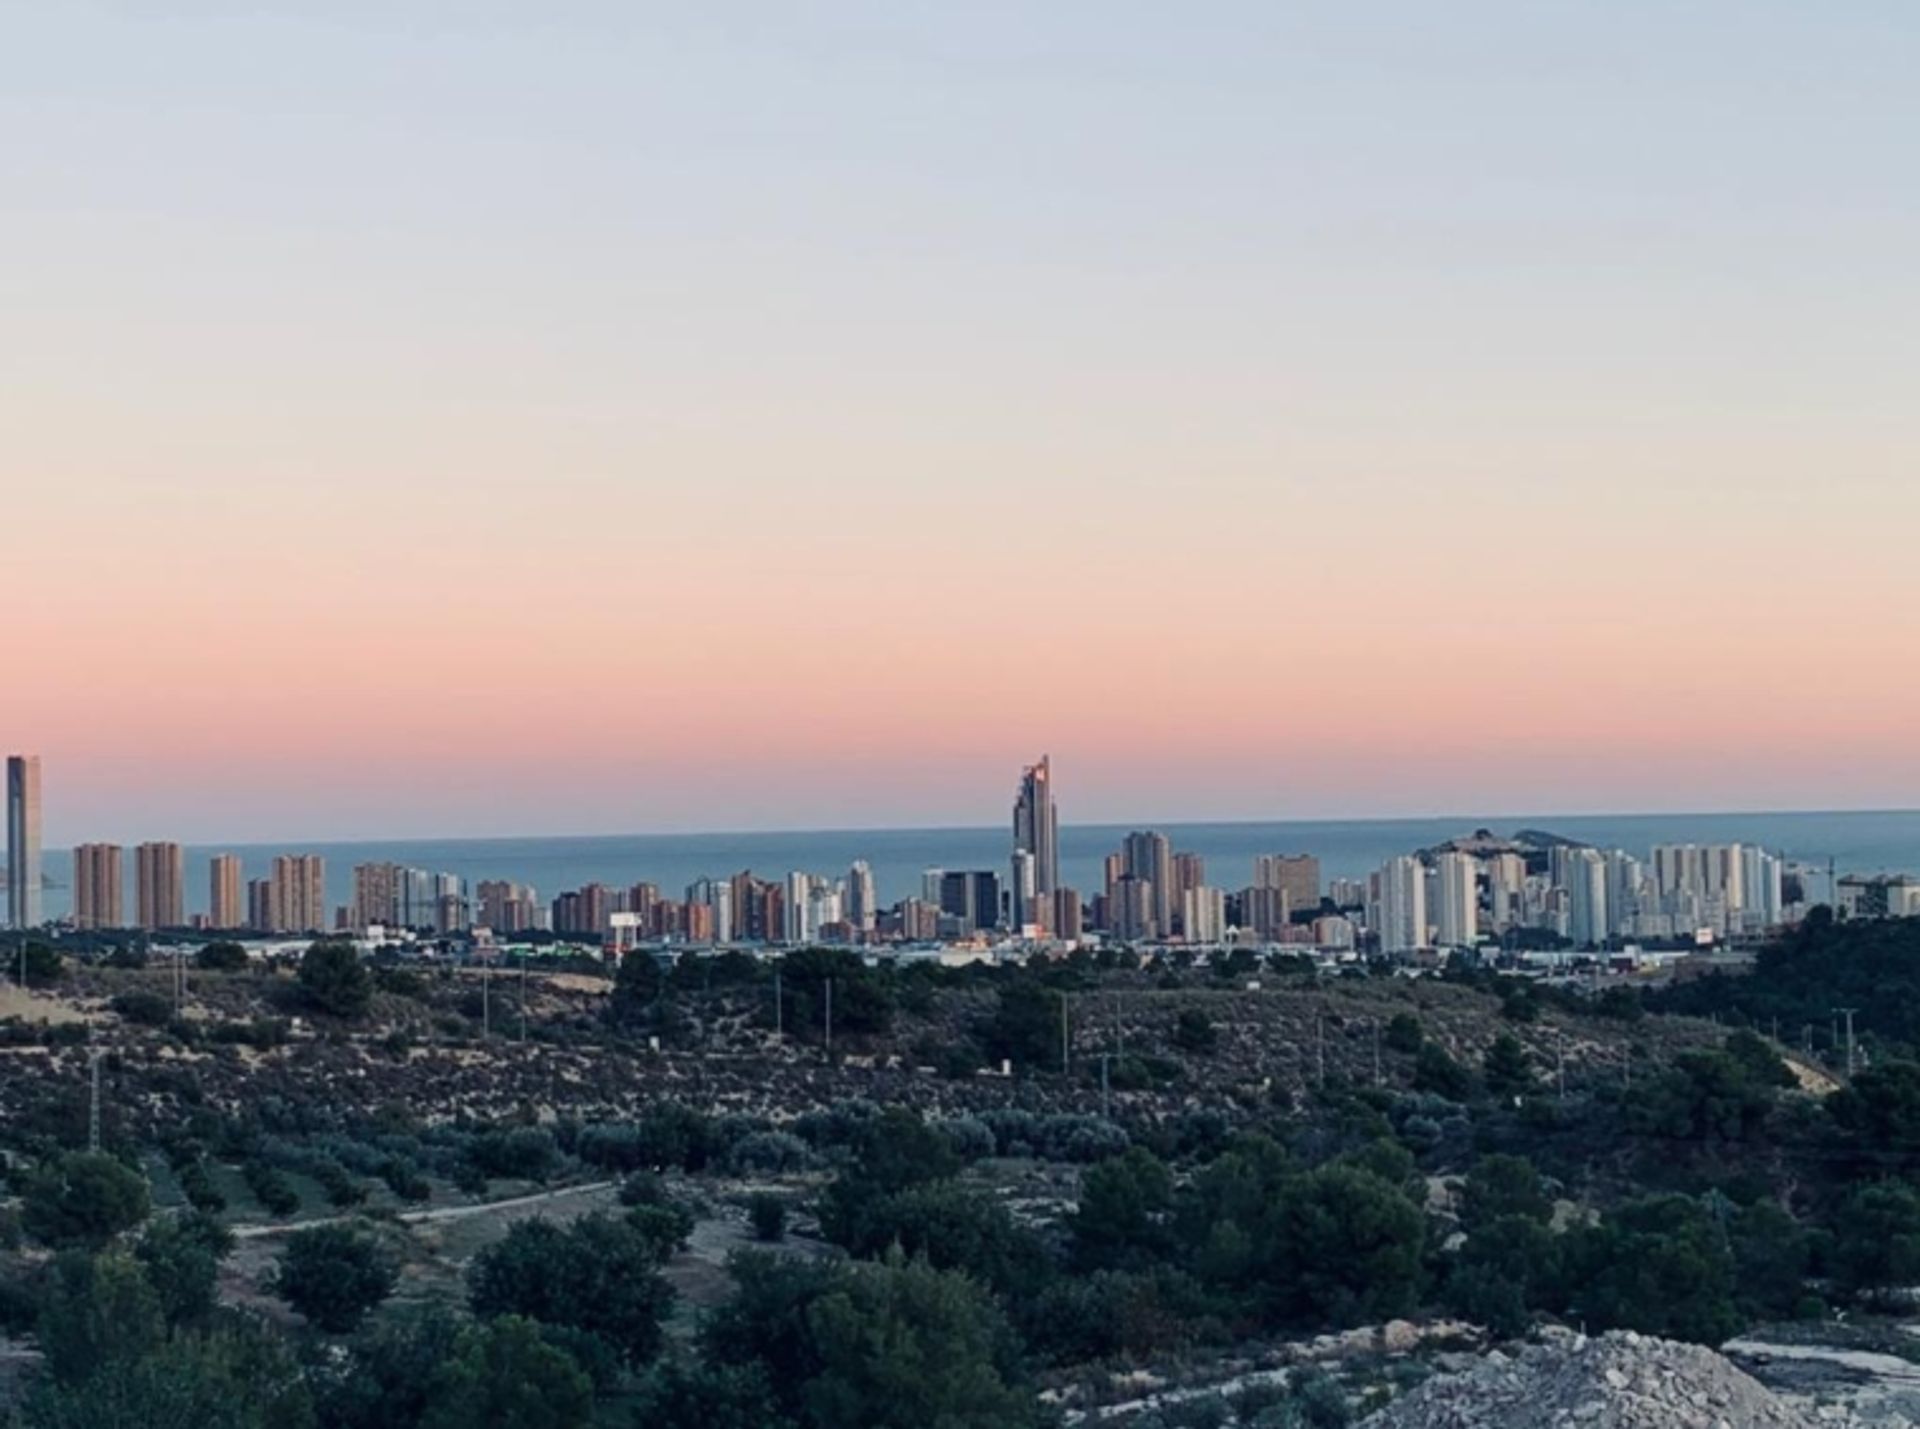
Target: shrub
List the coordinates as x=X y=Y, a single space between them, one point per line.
x=270 y=1188
x=142 y=1007
x=767 y=1214
x=82 y=1199
x=221 y=957
x=335 y=1274
x=335 y=980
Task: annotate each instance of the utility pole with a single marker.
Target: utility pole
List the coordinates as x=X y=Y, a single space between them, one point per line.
x=523 y=998
x=1560 y=1062
x=93 y=1100
x=486 y=1000
x=1376 y=1052
x=1063 y=1034
x=1847 y=1012
x=1320 y=1050
x=829 y=1016
x=1106 y=1103
x=1807 y=1030
x=779 y=1009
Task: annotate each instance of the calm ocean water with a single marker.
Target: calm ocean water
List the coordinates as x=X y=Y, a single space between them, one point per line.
x=1860 y=842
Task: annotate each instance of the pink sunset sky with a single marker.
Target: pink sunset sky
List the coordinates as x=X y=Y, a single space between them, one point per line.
x=646 y=419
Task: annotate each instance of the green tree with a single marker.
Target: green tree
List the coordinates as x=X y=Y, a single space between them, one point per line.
x=84 y=1198
x=707 y=1396
x=334 y=1274
x=597 y=1274
x=1436 y=1072
x=505 y=1375
x=335 y=979
x=1876 y=1245
x=902 y=1343
x=221 y=957
x=1124 y=1207
x=41 y=965
x=767 y=1214
x=1024 y=1027
x=1661 y=1265
x=238 y=1377
x=1507 y=1068
x=953 y=1228
x=1723 y=1095
x=1877 y=1116
x=1352 y=1244
x=1772 y=1254
x=1193 y=1031
x=98 y=1309
x=392 y=1369
x=1503 y=1186
x=1404 y=1033
x=181 y=1256
x=637 y=988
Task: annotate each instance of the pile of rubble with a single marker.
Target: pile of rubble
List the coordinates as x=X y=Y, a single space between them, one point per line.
x=1615 y=1381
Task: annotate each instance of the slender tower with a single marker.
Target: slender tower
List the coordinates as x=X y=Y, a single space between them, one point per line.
x=23 y=841
x=1036 y=824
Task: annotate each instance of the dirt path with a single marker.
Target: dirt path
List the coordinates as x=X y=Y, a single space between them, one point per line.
x=413 y=1218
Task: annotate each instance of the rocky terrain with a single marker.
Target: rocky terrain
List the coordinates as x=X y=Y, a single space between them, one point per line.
x=1613 y=1381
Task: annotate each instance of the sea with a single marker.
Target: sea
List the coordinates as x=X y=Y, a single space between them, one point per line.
x=1855 y=842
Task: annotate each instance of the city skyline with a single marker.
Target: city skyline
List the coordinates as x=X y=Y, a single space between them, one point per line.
x=1301 y=413
x=1150 y=889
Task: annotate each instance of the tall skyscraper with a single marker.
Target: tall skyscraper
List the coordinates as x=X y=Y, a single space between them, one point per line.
x=98 y=886
x=795 y=907
x=298 y=897
x=861 y=906
x=1148 y=857
x=376 y=895
x=159 y=877
x=1036 y=824
x=1586 y=884
x=23 y=841
x=1022 y=893
x=1398 y=909
x=1456 y=913
x=226 y=899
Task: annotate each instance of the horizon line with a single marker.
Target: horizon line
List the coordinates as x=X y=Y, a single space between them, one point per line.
x=292 y=842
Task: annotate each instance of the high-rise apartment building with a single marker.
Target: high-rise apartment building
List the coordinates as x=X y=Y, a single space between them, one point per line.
x=972 y=899
x=98 y=886
x=376 y=899
x=1022 y=894
x=298 y=894
x=1397 y=908
x=1036 y=824
x=1067 y=920
x=160 y=885
x=1203 y=914
x=861 y=907
x=1187 y=872
x=23 y=841
x=1295 y=874
x=795 y=908
x=226 y=894
x=260 y=904
x=1456 y=912
x=1148 y=857
x=1584 y=877
x=510 y=907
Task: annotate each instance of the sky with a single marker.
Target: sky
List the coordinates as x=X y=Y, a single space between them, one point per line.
x=489 y=418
